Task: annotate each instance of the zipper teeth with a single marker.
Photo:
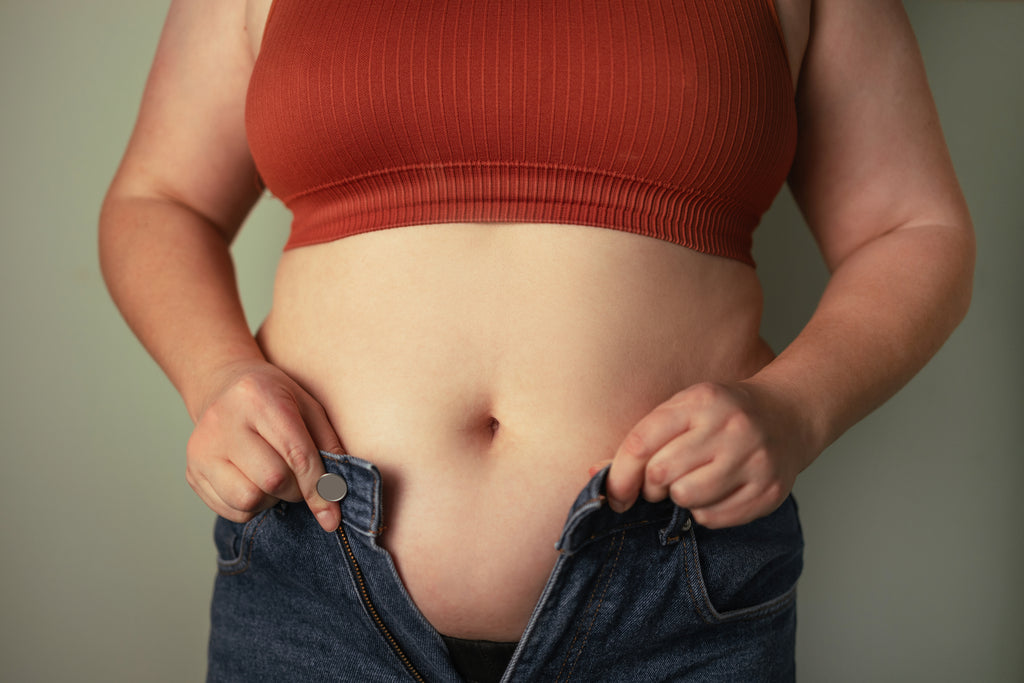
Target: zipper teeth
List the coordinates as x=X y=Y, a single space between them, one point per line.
x=373 y=610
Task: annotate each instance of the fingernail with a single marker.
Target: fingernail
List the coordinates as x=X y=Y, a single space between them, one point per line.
x=326 y=520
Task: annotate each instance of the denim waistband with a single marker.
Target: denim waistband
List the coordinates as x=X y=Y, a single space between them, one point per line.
x=361 y=508
x=589 y=519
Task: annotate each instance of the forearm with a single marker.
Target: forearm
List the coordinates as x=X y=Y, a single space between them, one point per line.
x=170 y=273
x=887 y=309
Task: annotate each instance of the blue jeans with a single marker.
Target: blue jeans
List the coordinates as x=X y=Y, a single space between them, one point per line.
x=642 y=596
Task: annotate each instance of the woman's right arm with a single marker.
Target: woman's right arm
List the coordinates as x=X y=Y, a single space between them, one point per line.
x=183 y=189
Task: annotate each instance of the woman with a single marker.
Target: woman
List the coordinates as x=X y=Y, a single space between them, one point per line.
x=520 y=255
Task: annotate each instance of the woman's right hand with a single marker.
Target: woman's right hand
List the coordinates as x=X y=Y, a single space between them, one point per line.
x=257 y=441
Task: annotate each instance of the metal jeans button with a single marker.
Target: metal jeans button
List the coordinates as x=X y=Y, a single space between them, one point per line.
x=332 y=487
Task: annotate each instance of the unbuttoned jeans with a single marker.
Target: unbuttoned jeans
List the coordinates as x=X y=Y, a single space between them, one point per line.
x=646 y=595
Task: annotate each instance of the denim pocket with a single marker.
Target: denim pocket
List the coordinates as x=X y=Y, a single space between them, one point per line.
x=748 y=571
x=234 y=542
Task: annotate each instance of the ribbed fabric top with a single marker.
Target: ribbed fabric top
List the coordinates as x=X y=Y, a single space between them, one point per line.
x=668 y=118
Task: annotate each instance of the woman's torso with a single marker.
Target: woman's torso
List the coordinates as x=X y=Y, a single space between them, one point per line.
x=484 y=367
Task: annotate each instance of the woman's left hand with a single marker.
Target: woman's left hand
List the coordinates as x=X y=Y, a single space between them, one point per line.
x=729 y=453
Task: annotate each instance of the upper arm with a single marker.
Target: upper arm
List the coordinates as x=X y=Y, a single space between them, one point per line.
x=189 y=143
x=871 y=156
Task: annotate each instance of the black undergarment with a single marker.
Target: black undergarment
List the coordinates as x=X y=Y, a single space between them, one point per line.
x=479 y=661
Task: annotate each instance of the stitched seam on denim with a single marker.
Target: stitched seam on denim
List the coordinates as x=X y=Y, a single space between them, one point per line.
x=556 y=573
x=373 y=513
x=702 y=601
x=617 y=529
x=590 y=600
x=621 y=527
x=340 y=459
x=593 y=620
x=773 y=606
x=248 y=554
x=697 y=603
x=576 y=518
x=364 y=593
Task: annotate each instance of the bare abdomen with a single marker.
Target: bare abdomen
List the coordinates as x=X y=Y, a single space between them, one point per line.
x=484 y=368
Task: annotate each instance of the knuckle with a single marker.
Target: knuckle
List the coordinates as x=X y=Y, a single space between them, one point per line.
x=664 y=410
x=738 y=423
x=239 y=516
x=298 y=458
x=760 y=461
x=775 y=493
x=654 y=494
x=248 y=500
x=282 y=403
x=634 y=446
x=678 y=491
x=196 y=451
x=195 y=440
x=703 y=392
x=247 y=387
x=657 y=472
x=711 y=518
x=703 y=517
x=192 y=473
x=275 y=482
x=191 y=452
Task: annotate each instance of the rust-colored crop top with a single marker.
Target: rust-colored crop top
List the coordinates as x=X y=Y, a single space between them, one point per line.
x=673 y=119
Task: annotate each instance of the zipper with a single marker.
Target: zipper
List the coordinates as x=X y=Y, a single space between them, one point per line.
x=365 y=595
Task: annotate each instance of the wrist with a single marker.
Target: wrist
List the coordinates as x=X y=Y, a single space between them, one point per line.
x=800 y=420
x=209 y=378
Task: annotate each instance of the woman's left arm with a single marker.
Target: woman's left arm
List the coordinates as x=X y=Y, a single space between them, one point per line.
x=875 y=183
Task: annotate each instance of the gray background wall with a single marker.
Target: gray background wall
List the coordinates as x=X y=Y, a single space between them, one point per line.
x=915 y=550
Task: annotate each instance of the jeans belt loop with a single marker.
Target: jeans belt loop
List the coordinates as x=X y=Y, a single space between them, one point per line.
x=678 y=525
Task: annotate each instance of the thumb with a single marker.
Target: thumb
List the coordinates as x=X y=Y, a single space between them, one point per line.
x=321 y=430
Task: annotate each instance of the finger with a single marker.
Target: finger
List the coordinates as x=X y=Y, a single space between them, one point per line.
x=229 y=493
x=630 y=462
x=264 y=467
x=705 y=486
x=675 y=459
x=287 y=434
x=742 y=506
x=204 y=489
x=320 y=428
